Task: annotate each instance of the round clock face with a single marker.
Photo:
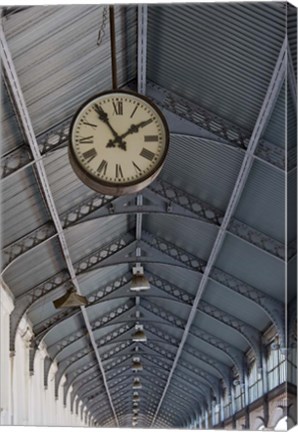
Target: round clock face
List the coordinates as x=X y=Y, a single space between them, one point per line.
x=119 y=141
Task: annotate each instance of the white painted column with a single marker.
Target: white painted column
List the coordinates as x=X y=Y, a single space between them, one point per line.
x=6 y=307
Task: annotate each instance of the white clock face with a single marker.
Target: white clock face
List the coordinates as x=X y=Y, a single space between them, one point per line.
x=119 y=138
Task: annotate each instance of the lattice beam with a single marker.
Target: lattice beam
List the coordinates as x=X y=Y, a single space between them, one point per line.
x=235 y=355
x=70 y=362
x=222 y=369
x=272 y=307
x=105 y=253
x=96 y=296
x=166 y=199
x=219 y=128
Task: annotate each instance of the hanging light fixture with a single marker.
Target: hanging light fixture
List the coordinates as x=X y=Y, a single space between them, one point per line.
x=139 y=282
x=136 y=397
x=70 y=299
x=136 y=384
x=136 y=364
x=139 y=334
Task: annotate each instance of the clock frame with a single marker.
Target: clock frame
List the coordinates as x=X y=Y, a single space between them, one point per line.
x=112 y=187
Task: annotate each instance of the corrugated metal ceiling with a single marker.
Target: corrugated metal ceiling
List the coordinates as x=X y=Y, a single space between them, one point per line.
x=219 y=56
x=224 y=62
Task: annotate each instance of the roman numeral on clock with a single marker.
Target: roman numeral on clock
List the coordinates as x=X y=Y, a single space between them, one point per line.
x=151 y=138
x=147 y=154
x=102 y=167
x=94 y=126
x=118 y=107
x=86 y=140
x=90 y=154
x=119 y=172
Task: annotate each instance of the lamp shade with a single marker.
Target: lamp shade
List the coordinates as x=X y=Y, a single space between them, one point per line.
x=136 y=384
x=139 y=283
x=136 y=365
x=139 y=334
x=70 y=299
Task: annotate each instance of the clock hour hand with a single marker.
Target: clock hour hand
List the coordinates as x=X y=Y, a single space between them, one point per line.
x=134 y=128
x=103 y=116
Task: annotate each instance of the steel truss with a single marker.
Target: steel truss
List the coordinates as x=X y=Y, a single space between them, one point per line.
x=273 y=308
x=163 y=198
x=23 y=302
x=208 y=126
x=220 y=129
x=270 y=305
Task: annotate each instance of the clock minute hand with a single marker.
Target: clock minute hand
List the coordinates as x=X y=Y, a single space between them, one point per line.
x=103 y=116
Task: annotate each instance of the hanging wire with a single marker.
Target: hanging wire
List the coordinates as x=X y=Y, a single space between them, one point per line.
x=102 y=28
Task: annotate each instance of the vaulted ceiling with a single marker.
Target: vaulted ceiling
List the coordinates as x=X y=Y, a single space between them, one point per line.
x=214 y=237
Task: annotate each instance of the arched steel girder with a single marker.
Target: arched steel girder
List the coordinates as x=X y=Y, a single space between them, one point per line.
x=81 y=353
x=181 y=385
x=163 y=198
x=196 y=386
x=189 y=366
x=96 y=296
x=71 y=338
x=170 y=289
x=113 y=384
x=117 y=335
x=111 y=356
x=219 y=128
x=162 y=353
x=144 y=396
x=81 y=381
x=219 y=366
x=79 y=356
x=175 y=397
x=120 y=246
x=190 y=369
x=157 y=373
x=111 y=318
x=272 y=307
x=106 y=422
x=80 y=374
x=118 y=391
x=249 y=333
x=112 y=254
x=176 y=400
x=182 y=295
x=80 y=388
x=235 y=355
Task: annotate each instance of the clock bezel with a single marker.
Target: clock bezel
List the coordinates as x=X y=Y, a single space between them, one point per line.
x=108 y=187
